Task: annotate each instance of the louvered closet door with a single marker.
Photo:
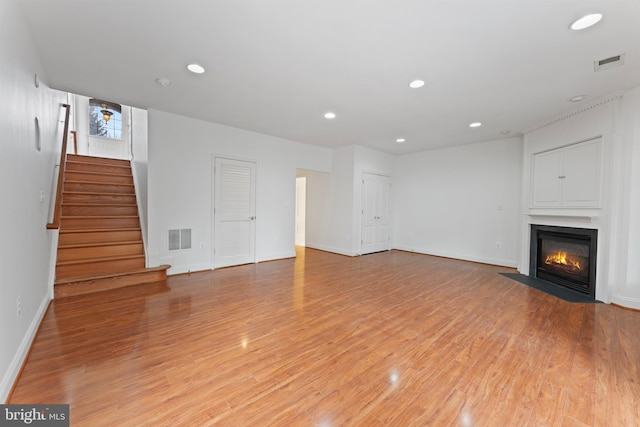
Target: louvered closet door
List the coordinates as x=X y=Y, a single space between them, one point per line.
x=234 y=212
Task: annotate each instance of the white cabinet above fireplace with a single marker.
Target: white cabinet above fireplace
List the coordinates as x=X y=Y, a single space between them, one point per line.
x=568 y=177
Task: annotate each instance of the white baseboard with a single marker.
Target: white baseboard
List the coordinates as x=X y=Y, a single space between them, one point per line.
x=19 y=358
x=277 y=256
x=472 y=258
x=191 y=268
x=627 y=302
x=331 y=249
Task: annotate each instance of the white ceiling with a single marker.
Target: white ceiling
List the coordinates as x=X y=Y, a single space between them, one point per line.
x=276 y=66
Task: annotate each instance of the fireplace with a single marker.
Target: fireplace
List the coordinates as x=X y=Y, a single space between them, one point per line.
x=565 y=256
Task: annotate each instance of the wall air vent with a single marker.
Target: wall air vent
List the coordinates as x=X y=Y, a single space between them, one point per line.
x=180 y=239
x=611 y=62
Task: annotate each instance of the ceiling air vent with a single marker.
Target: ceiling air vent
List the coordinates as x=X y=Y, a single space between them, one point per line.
x=605 y=64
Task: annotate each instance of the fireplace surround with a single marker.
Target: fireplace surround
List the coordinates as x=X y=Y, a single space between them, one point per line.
x=565 y=256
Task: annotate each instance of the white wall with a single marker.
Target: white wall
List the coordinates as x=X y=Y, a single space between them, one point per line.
x=459 y=202
x=80 y=109
x=319 y=208
x=627 y=291
x=301 y=209
x=139 y=160
x=181 y=152
x=330 y=205
x=26 y=251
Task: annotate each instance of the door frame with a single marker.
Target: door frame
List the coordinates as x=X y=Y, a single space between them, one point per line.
x=215 y=156
x=361 y=207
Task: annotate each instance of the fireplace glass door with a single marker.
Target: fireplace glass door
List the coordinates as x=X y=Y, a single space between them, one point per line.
x=564 y=259
x=565 y=256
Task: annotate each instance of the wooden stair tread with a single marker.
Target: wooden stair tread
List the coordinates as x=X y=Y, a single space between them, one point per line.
x=99 y=205
x=92 y=193
x=97 y=230
x=96 y=216
x=78 y=285
x=71 y=181
x=107 y=275
x=99 y=173
x=95 y=159
x=91 y=245
x=103 y=259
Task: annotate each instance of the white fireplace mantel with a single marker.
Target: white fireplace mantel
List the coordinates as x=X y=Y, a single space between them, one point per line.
x=582 y=216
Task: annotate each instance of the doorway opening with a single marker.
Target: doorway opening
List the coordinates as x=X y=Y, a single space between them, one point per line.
x=301 y=209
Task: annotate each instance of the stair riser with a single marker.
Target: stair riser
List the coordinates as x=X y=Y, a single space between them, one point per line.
x=99 y=237
x=88 y=177
x=98 y=199
x=111 y=266
x=89 y=167
x=99 y=210
x=98 y=160
x=98 y=188
x=76 y=254
x=98 y=223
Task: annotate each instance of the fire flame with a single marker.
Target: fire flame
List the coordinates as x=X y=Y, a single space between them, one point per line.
x=561 y=258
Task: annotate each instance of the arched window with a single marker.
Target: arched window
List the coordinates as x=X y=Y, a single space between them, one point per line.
x=105 y=119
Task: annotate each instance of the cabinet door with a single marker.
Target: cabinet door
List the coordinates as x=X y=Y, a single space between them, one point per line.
x=581 y=169
x=547 y=184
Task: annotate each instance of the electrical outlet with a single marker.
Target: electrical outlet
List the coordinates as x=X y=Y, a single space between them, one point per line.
x=498 y=245
x=411 y=236
x=201 y=245
x=41 y=197
x=18 y=306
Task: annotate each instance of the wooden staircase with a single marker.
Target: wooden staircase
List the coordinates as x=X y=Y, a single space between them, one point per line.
x=100 y=241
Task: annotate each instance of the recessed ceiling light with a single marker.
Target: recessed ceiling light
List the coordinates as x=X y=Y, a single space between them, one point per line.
x=586 y=21
x=400 y=140
x=416 y=84
x=195 y=68
x=329 y=115
x=577 y=98
x=163 y=82
x=475 y=124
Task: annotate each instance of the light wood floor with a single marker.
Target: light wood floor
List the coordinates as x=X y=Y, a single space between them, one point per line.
x=324 y=340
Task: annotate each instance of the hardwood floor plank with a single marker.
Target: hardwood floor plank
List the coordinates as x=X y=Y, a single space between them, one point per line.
x=387 y=339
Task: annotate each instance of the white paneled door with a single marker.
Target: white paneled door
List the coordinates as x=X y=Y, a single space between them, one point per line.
x=234 y=212
x=375 y=213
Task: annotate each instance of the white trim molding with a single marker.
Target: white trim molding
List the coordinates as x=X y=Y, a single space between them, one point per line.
x=11 y=376
x=616 y=96
x=627 y=302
